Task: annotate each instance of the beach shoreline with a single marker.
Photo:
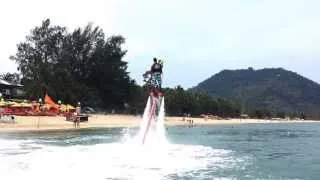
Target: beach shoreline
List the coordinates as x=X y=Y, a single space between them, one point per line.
x=44 y=123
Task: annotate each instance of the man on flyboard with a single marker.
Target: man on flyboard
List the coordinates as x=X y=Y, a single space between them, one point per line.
x=153 y=77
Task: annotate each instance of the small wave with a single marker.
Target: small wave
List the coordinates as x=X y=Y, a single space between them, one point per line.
x=117 y=160
x=16 y=147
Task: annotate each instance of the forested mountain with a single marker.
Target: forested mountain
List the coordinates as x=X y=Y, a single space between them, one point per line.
x=273 y=90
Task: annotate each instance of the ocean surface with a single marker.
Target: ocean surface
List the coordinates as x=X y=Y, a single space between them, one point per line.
x=251 y=151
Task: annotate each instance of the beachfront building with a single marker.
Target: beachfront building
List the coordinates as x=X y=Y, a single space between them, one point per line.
x=10 y=90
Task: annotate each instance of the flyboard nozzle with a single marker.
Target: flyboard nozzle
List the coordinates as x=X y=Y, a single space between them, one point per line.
x=156 y=93
x=160 y=94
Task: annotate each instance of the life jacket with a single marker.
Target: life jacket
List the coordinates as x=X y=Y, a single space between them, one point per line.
x=156 y=68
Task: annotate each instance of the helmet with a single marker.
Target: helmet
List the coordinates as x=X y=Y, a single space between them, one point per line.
x=160 y=61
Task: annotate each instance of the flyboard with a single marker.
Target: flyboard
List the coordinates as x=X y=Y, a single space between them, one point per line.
x=156 y=97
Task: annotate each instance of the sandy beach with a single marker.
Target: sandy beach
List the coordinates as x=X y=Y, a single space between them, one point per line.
x=27 y=123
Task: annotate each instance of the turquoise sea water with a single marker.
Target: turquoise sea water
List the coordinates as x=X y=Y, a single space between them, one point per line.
x=252 y=151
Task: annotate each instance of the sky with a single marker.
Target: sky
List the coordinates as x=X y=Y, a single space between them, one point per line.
x=195 y=38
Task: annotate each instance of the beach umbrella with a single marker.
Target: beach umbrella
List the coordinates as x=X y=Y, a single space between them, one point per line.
x=3 y=103
x=24 y=104
x=70 y=107
x=8 y=103
x=67 y=107
x=14 y=104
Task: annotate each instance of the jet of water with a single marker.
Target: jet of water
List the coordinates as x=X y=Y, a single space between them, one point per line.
x=160 y=129
x=156 y=131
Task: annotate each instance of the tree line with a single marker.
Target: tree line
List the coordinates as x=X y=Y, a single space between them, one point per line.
x=179 y=102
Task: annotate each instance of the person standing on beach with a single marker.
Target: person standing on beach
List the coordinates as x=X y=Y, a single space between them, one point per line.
x=78 y=112
x=59 y=107
x=1 y=100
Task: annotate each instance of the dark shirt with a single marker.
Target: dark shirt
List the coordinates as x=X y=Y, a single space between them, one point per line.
x=156 y=67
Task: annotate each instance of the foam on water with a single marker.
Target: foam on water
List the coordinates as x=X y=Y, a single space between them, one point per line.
x=114 y=160
x=13 y=147
x=128 y=159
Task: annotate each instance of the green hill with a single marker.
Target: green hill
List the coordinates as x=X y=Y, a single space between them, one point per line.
x=275 y=90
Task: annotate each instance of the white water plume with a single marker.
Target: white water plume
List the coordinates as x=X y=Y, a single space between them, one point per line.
x=144 y=122
x=155 y=133
x=160 y=128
